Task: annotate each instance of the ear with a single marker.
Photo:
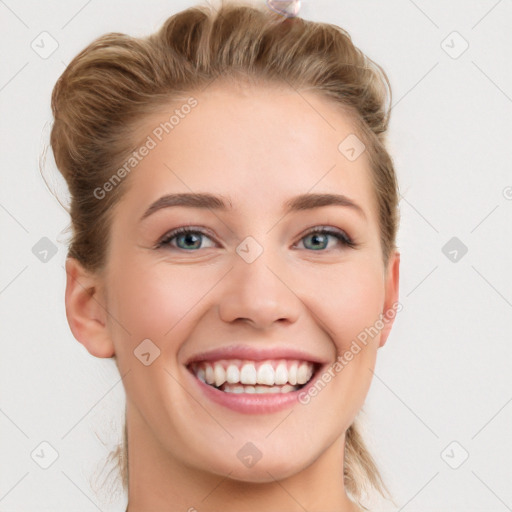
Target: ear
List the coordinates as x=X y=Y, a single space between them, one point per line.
x=86 y=310
x=391 y=300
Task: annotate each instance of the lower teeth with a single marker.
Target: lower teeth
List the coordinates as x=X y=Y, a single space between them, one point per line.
x=240 y=388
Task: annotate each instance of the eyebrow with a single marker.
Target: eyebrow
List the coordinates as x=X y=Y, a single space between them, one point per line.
x=210 y=201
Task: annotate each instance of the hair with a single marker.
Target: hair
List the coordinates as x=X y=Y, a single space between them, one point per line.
x=105 y=92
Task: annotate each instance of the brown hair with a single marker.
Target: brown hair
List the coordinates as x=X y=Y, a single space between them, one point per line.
x=101 y=97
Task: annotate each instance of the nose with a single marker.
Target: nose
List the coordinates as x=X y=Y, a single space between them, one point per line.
x=259 y=293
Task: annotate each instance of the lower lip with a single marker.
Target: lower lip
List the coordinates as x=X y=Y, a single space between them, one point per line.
x=252 y=403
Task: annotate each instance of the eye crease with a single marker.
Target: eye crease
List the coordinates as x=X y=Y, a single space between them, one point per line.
x=318 y=235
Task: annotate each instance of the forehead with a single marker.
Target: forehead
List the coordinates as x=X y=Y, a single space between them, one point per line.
x=257 y=144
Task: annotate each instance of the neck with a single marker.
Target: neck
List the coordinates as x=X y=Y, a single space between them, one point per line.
x=157 y=481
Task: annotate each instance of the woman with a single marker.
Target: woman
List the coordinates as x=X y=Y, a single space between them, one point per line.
x=234 y=214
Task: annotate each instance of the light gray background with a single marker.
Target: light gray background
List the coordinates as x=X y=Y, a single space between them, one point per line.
x=444 y=374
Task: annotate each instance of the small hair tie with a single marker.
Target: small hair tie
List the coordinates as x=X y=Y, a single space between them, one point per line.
x=287 y=8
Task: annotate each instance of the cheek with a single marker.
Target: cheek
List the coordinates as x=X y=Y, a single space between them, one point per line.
x=156 y=301
x=347 y=300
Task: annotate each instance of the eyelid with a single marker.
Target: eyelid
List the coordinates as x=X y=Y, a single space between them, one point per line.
x=165 y=239
x=323 y=227
x=342 y=236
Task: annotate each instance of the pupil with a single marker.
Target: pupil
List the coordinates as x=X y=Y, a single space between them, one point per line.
x=317 y=239
x=190 y=239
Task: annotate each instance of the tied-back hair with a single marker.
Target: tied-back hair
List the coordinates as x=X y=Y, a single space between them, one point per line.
x=110 y=86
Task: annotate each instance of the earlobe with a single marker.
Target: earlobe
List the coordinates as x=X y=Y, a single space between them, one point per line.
x=392 y=295
x=86 y=310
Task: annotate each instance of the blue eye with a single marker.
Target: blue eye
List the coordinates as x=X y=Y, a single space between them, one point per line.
x=191 y=239
x=319 y=238
x=187 y=239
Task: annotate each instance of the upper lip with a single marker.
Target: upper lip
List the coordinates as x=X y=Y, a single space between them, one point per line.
x=254 y=354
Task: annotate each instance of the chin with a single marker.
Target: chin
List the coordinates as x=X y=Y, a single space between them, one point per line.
x=257 y=465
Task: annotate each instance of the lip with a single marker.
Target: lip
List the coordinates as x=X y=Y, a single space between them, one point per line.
x=254 y=354
x=253 y=403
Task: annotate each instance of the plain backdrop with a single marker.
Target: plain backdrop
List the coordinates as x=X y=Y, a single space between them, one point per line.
x=439 y=413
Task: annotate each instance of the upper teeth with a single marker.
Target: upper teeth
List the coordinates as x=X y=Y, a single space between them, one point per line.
x=269 y=373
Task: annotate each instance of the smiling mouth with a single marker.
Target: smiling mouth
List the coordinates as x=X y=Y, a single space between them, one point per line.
x=245 y=376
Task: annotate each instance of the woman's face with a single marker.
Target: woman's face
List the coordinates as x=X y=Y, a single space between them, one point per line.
x=250 y=294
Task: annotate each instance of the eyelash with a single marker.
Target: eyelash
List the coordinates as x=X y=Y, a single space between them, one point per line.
x=342 y=237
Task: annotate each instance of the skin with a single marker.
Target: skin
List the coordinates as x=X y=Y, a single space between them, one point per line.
x=257 y=146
